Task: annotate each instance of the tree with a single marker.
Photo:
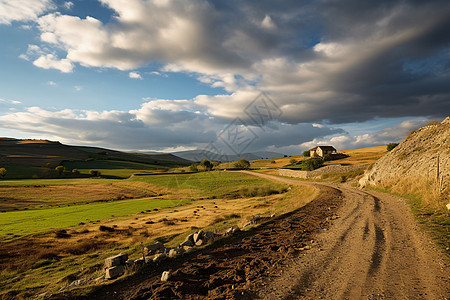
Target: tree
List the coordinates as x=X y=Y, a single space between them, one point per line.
x=193 y=168
x=391 y=146
x=60 y=170
x=206 y=164
x=242 y=164
x=306 y=153
x=94 y=173
x=293 y=161
x=3 y=172
x=312 y=164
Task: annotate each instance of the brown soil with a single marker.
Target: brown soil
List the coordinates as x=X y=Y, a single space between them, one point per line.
x=230 y=268
x=373 y=250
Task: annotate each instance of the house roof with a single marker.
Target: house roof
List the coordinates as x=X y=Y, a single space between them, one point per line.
x=331 y=148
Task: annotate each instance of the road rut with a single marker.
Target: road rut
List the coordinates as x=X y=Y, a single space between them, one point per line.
x=373 y=250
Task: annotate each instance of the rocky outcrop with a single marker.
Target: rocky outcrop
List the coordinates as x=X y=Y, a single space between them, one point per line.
x=423 y=156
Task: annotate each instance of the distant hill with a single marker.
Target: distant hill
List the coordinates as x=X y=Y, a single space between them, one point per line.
x=37 y=153
x=199 y=155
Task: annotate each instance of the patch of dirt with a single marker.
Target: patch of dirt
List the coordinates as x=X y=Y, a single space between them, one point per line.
x=229 y=270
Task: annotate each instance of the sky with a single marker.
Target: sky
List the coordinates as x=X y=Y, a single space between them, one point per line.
x=230 y=76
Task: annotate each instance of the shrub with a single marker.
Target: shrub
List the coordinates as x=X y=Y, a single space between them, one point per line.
x=3 y=172
x=193 y=168
x=206 y=164
x=293 y=161
x=391 y=146
x=94 y=173
x=60 y=170
x=242 y=164
x=306 y=153
x=311 y=164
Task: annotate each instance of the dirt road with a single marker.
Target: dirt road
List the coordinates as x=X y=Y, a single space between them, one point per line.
x=347 y=244
x=374 y=250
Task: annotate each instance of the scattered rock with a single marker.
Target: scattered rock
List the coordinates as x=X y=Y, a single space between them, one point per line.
x=232 y=230
x=165 y=276
x=114 y=272
x=159 y=257
x=198 y=236
x=153 y=248
x=209 y=236
x=190 y=238
x=117 y=260
x=187 y=243
x=199 y=243
x=173 y=253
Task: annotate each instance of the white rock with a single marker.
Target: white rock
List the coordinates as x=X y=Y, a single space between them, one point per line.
x=165 y=276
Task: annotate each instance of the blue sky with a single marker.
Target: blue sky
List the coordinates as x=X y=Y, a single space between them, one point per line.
x=169 y=75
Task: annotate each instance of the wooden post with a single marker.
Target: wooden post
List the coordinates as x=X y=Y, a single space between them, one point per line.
x=143 y=253
x=437 y=174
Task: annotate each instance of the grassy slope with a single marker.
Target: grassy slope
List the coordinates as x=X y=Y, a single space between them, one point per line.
x=18 y=224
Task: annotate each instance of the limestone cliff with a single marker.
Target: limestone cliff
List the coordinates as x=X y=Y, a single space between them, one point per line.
x=416 y=159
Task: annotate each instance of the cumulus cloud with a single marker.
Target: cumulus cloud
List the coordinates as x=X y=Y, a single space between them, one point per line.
x=24 y=10
x=135 y=75
x=50 y=61
x=319 y=61
x=376 y=138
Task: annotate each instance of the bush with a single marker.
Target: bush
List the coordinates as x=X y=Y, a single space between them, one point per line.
x=206 y=165
x=242 y=164
x=391 y=146
x=293 y=161
x=3 y=172
x=193 y=168
x=306 y=153
x=311 y=164
x=94 y=173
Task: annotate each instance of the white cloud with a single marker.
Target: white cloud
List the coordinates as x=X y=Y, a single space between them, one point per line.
x=268 y=23
x=52 y=83
x=68 y=5
x=78 y=88
x=135 y=75
x=376 y=138
x=8 y=101
x=23 y=10
x=50 y=61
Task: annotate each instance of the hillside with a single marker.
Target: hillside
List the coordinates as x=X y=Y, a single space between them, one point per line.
x=199 y=155
x=419 y=164
x=37 y=153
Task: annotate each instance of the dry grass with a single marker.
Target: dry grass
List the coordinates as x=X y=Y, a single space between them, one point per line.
x=27 y=197
x=361 y=156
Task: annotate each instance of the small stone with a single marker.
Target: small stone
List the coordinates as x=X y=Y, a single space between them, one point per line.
x=155 y=247
x=199 y=243
x=117 y=260
x=173 y=253
x=159 y=257
x=114 y=272
x=165 y=276
x=190 y=238
x=198 y=236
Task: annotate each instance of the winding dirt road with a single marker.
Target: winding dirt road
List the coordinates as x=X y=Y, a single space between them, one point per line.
x=347 y=244
x=373 y=250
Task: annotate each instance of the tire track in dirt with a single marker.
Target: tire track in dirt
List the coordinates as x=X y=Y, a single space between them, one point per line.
x=373 y=251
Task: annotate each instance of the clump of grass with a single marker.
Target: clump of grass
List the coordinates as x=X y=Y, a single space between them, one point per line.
x=106 y=228
x=62 y=234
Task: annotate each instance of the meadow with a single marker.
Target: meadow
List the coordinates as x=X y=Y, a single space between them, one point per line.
x=66 y=232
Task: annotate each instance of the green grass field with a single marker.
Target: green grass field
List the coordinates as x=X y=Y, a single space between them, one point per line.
x=22 y=223
x=112 y=168
x=215 y=183
x=55 y=181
